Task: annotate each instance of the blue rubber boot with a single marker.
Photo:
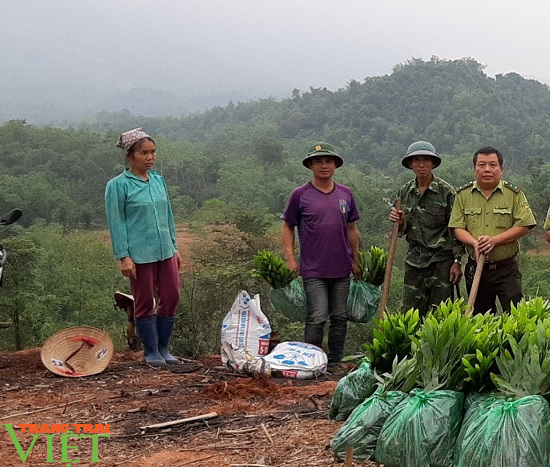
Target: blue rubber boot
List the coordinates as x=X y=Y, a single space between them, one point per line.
x=147 y=330
x=164 y=330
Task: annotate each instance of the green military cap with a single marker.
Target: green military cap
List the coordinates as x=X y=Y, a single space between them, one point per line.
x=322 y=149
x=420 y=148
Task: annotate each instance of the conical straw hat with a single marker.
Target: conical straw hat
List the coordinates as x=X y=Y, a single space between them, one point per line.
x=77 y=351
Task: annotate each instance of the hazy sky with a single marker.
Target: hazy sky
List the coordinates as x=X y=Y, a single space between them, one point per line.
x=304 y=43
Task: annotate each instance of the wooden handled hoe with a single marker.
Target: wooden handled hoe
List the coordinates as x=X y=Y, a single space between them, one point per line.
x=475 y=284
x=389 y=264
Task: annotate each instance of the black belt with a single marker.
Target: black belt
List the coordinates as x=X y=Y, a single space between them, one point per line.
x=497 y=264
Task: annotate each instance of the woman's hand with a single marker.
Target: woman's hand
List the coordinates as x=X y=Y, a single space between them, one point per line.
x=179 y=260
x=127 y=267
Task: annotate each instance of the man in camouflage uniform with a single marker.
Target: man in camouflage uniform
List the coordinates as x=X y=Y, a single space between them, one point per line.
x=489 y=217
x=433 y=260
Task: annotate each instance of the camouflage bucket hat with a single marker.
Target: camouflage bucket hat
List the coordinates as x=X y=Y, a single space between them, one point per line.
x=322 y=149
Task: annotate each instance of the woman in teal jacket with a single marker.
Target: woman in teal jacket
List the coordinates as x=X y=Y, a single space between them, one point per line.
x=143 y=235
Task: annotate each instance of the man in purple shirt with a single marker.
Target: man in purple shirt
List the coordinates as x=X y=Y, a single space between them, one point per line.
x=325 y=214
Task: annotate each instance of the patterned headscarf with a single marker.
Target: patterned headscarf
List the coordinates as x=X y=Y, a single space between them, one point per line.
x=129 y=138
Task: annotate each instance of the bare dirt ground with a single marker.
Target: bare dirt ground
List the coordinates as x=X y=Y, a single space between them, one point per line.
x=253 y=422
x=258 y=422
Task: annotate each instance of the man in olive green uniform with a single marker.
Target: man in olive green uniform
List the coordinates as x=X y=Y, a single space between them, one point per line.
x=432 y=263
x=490 y=216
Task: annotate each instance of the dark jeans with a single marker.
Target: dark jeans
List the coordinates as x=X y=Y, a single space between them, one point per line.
x=327 y=300
x=502 y=282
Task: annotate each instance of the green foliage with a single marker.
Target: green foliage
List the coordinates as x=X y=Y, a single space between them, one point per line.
x=402 y=377
x=479 y=359
x=533 y=308
x=393 y=337
x=523 y=318
x=452 y=350
x=249 y=154
x=55 y=280
x=273 y=269
x=525 y=367
x=19 y=283
x=254 y=221
x=373 y=265
x=221 y=268
x=535 y=268
x=234 y=167
x=446 y=335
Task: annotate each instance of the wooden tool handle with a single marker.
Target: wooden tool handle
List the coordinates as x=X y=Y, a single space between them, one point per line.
x=475 y=284
x=389 y=264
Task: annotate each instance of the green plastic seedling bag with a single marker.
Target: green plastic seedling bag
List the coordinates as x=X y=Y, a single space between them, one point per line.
x=363 y=301
x=497 y=432
x=363 y=426
x=422 y=430
x=290 y=301
x=351 y=391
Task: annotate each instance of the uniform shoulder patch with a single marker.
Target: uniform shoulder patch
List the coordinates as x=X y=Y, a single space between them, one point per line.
x=511 y=186
x=463 y=187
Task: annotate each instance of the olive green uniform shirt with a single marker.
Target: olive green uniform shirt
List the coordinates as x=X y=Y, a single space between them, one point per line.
x=506 y=207
x=426 y=223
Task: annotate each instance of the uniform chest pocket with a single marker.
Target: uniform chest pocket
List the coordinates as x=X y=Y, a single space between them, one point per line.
x=503 y=217
x=473 y=217
x=433 y=215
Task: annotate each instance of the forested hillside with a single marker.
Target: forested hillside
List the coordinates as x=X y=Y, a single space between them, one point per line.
x=237 y=165
x=454 y=104
x=249 y=154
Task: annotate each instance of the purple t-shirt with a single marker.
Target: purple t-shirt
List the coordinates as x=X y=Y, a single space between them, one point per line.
x=322 y=220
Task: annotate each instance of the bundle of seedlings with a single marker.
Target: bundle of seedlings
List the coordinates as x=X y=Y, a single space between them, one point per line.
x=502 y=362
x=445 y=336
x=392 y=340
x=362 y=428
x=479 y=360
x=287 y=294
x=512 y=424
x=372 y=264
x=392 y=337
x=365 y=293
x=273 y=269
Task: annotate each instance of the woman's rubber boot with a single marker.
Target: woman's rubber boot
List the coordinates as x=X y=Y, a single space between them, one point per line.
x=147 y=330
x=164 y=330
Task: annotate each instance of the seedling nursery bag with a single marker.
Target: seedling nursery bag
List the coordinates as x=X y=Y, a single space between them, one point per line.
x=363 y=301
x=498 y=432
x=290 y=301
x=422 y=430
x=363 y=426
x=351 y=391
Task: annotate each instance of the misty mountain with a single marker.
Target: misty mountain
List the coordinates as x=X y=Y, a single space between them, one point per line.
x=451 y=103
x=59 y=79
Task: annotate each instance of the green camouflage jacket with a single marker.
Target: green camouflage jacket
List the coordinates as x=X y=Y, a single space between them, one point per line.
x=426 y=223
